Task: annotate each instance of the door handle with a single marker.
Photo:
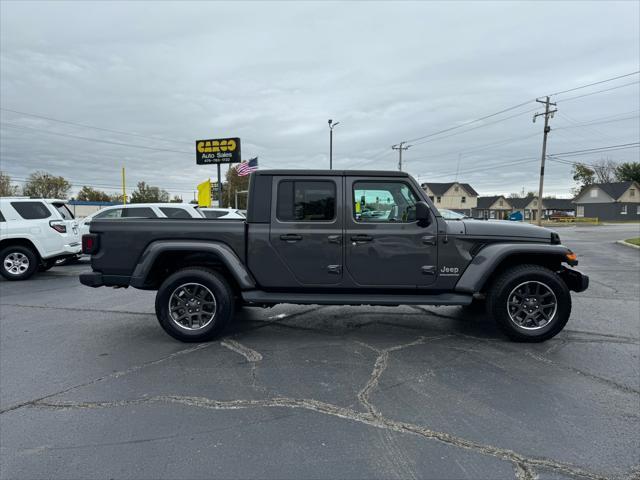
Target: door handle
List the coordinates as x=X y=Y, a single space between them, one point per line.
x=428 y=270
x=291 y=237
x=361 y=238
x=337 y=269
x=429 y=240
x=335 y=239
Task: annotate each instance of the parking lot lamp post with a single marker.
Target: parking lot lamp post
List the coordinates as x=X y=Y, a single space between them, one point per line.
x=331 y=125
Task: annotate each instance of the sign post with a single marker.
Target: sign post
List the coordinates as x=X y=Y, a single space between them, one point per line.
x=217 y=151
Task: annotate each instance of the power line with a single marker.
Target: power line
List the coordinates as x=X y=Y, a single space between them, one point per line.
x=595 y=83
x=469 y=122
x=99 y=140
x=598 y=91
x=67 y=122
x=622 y=146
x=475 y=128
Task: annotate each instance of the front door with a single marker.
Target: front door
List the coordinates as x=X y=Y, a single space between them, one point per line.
x=385 y=245
x=306 y=229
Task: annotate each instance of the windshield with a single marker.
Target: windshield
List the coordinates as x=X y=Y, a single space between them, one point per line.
x=451 y=215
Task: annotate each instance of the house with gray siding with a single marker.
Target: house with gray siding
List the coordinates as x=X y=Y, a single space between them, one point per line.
x=609 y=201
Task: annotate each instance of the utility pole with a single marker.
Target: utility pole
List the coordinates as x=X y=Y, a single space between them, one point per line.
x=124 y=190
x=547 y=114
x=331 y=125
x=400 y=147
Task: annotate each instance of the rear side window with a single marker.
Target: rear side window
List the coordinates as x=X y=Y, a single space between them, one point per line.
x=64 y=211
x=113 y=213
x=31 y=210
x=139 y=212
x=175 y=212
x=2 y=217
x=306 y=201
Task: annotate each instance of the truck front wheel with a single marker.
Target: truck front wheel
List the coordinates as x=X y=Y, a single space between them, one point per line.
x=530 y=303
x=194 y=304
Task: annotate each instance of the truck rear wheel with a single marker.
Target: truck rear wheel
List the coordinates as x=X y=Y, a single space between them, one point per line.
x=18 y=262
x=194 y=304
x=529 y=303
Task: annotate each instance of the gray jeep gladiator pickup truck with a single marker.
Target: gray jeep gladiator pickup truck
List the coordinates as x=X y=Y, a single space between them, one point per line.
x=336 y=238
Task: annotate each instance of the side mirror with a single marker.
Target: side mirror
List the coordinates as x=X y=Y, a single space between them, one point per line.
x=423 y=214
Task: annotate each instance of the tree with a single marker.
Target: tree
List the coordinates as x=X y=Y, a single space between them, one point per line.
x=176 y=199
x=628 y=171
x=583 y=175
x=235 y=183
x=605 y=171
x=6 y=189
x=89 y=194
x=44 y=185
x=149 y=194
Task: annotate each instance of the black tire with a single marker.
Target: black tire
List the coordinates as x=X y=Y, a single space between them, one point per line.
x=214 y=315
x=524 y=284
x=46 y=265
x=14 y=253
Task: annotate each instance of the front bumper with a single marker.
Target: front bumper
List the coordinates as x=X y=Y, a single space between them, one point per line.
x=575 y=279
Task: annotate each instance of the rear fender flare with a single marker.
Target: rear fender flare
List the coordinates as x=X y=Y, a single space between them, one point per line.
x=221 y=251
x=491 y=256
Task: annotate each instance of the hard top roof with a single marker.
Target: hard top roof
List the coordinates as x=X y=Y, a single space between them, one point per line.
x=336 y=173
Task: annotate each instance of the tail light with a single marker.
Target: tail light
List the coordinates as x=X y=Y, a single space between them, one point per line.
x=58 y=225
x=89 y=243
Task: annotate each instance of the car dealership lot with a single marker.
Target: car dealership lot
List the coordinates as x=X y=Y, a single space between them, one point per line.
x=90 y=386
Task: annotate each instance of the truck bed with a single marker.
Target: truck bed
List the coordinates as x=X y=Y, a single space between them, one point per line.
x=126 y=239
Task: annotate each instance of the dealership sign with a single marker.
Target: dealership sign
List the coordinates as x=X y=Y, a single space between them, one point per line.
x=216 y=151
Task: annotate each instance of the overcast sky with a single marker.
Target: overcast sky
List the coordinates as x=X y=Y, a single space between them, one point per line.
x=273 y=73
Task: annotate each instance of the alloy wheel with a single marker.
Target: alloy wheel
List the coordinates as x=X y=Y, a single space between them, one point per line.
x=532 y=305
x=16 y=263
x=192 y=306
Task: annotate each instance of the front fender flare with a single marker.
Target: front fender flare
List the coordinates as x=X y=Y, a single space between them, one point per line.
x=490 y=257
x=222 y=252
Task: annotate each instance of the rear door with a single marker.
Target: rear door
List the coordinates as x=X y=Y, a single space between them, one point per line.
x=385 y=246
x=306 y=229
x=70 y=222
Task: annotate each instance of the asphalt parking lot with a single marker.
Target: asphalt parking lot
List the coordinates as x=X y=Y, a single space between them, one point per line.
x=91 y=387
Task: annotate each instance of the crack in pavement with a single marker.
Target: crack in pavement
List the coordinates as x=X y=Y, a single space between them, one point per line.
x=526 y=464
x=75 y=309
x=117 y=374
x=611 y=383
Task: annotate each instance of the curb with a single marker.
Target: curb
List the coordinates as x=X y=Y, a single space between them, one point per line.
x=622 y=242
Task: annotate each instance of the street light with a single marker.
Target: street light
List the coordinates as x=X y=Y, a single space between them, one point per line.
x=331 y=125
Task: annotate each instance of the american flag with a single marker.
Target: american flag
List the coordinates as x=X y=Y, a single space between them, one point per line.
x=245 y=168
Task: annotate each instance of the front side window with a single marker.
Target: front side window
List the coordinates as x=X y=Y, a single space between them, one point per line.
x=31 y=210
x=172 y=212
x=380 y=202
x=214 y=213
x=112 y=213
x=139 y=212
x=306 y=201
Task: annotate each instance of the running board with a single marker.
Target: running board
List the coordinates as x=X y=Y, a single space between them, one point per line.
x=260 y=297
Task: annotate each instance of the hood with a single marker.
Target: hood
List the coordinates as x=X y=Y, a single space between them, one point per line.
x=507 y=229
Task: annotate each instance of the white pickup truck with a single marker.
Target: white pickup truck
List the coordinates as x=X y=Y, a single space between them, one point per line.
x=34 y=234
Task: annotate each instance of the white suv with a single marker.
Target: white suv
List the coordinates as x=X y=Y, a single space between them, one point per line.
x=142 y=210
x=34 y=234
